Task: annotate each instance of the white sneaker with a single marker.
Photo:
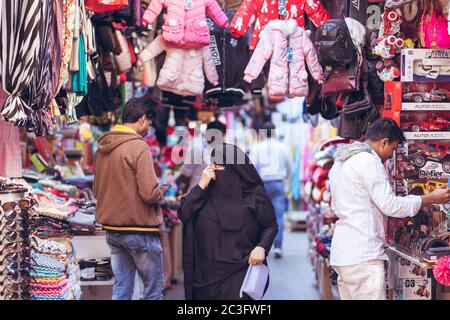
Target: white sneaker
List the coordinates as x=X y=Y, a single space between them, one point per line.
x=277 y=253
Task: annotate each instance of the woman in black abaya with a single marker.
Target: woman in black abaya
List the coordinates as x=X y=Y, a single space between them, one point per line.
x=228 y=222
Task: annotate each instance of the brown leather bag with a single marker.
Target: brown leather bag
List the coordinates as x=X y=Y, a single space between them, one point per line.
x=341 y=80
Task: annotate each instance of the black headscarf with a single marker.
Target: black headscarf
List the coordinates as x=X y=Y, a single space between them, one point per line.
x=237 y=182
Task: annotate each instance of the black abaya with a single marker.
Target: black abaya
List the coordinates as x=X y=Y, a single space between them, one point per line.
x=215 y=261
x=217 y=242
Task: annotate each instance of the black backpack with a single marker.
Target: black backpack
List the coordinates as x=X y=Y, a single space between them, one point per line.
x=334 y=44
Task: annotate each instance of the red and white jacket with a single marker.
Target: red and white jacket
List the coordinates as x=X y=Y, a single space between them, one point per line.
x=260 y=12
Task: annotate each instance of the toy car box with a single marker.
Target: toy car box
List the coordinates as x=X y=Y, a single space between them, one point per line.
x=426 y=125
x=425 y=96
x=425 y=65
x=424 y=159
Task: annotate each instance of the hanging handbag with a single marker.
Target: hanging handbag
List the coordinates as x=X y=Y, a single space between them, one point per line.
x=328 y=108
x=341 y=80
x=357 y=105
x=355 y=128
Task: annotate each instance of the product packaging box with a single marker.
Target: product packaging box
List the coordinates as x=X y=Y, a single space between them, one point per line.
x=424 y=159
x=426 y=125
x=409 y=270
x=415 y=289
x=392 y=100
x=429 y=96
x=425 y=65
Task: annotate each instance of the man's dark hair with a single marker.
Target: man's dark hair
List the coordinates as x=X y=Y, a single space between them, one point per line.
x=270 y=129
x=384 y=128
x=135 y=108
x=216 y=124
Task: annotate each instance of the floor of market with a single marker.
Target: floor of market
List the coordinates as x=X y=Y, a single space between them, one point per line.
x=291 y=278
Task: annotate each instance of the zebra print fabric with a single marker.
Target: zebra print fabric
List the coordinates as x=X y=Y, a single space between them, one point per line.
x=20 y=31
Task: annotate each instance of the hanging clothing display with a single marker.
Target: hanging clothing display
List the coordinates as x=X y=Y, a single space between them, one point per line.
x=185 y=25
x=230 y=57
x=69 y=27
x=258 y=13
x=10 y=154
x=37 y=95
x=20 y=29
x=290 y=50
x=79 y=78
x=182 y=71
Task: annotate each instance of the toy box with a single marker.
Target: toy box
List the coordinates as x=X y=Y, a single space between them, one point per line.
x=425 y=65
x=422 y=159
x=392 y=100
x=432 y=96
x=407 y=269
x=415 y=289
x=426 y=125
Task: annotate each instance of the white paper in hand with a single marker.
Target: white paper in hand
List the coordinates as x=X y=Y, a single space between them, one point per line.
x=255 y=281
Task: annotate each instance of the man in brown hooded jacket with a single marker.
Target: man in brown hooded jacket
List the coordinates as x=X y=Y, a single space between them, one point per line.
x=128 y=195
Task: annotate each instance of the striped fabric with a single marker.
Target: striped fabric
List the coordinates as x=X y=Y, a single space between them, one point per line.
x=19 y=50
x=37 y=92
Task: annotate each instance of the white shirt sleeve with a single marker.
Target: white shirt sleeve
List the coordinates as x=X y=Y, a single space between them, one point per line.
x=376 y=182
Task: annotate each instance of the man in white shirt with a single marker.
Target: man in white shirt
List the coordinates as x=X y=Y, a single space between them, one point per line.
x=362 y=197
x=274 y=164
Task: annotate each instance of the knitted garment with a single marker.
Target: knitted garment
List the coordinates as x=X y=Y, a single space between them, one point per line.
x=50 y=286
x=46 y=263
x=52 y=281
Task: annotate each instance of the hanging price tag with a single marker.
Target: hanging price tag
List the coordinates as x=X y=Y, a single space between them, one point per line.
x=233 y=42
x=290 y=54
x=188 y=4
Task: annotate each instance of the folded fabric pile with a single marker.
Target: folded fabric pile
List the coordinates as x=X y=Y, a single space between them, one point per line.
x=52 y=217
x=96 y=269
x=80 y=182
x=54 y=273
x=83 y=221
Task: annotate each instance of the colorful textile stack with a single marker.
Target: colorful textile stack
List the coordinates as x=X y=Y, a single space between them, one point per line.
x=54 y=273
x=83 y=221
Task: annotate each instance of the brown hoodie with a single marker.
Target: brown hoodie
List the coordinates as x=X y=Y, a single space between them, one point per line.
x=125 y=184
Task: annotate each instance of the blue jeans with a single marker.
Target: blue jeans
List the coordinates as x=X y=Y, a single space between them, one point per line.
x=275 y=190
x=136 y=252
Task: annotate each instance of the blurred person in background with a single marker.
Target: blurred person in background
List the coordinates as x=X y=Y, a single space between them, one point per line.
x=274 y=164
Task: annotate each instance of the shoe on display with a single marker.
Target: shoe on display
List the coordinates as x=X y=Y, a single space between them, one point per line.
x=277 y=253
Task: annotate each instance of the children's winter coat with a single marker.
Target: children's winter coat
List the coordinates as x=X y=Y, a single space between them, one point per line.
x=182 y=72
x=185 y=25
x=285 y=77
x=230 y=58
x=258 y=13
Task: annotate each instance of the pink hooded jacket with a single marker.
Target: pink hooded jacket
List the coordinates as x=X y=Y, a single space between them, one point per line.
x=186 y=28
x=286 y=78
x=182 y=72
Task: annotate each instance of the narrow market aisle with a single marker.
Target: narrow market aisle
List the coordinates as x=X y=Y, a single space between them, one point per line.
x=292 y=277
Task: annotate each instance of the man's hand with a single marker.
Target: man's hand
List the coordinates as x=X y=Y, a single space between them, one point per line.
x=438 y=196
x=257 y=256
